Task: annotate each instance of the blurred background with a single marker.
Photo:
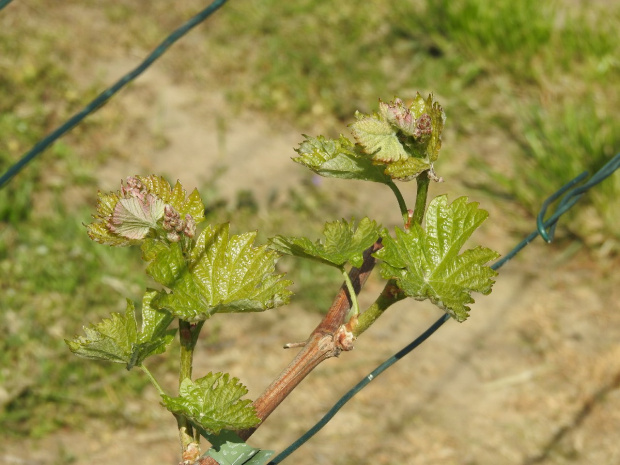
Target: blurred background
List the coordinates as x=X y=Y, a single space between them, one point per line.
x=532 y=97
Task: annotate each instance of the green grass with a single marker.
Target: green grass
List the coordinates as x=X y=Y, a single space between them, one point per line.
x=315 y=60
x=54 y=279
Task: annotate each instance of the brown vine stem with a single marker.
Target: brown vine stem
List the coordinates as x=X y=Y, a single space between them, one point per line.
x=326 y=341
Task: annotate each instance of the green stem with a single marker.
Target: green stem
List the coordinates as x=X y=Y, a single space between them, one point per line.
x=421 y=195
x=401 y=201
x=390 y=295
x=355 y=308
x=187 y=350
x=153 y=380
x=188 y=335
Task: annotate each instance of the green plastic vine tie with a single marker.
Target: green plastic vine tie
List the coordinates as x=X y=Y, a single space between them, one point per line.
x=540 y=223
x=103 y=97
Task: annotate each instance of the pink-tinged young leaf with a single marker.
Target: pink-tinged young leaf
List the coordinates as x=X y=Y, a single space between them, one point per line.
x=133 y=218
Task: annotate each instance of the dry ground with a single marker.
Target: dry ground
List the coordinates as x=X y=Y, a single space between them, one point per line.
x=532 y=377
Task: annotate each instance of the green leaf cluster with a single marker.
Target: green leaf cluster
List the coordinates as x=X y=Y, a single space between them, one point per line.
x=426 y=264
x=216 y=272
x=200 y=275
x=406 y=139
x=397 y=142
x=214 y=403
x=117 y=339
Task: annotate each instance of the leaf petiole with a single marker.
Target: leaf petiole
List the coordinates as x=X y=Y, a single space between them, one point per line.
x=355 y=308
x=188 y=334
x=423 y=182
x=401 y=201
x=152 y=379
x=389 y=296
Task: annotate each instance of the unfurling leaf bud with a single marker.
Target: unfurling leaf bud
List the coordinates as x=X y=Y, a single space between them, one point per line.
x=190 y=226
x=176 y=226
x=136 y=214
x=172 y=219
x=423 y=126
x=397 y=114
x=142 y=207
x=133 y=188
x=173 y=236
x=405 y=139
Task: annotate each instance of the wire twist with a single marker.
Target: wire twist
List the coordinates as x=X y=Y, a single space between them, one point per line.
x=572 y=196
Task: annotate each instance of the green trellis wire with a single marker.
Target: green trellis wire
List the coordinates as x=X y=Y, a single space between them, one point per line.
x=103 y=97
x=544 y=228
x=4 y=3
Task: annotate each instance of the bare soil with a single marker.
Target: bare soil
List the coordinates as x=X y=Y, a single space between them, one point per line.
x=532 y=377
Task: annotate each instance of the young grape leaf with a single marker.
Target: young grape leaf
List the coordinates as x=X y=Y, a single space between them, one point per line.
x=229 y=449
x=339 y=158
x=128 y=216
x=343 y=243
x=220 y=274
x=405 y=170
x=214 y=403
x=99 y=230
x=176 y=197
x=117 y=340
x=427 y=264
x=110 y=340
x=419 y=107
x=405 y=138
x=378 y=138
x=134 y=218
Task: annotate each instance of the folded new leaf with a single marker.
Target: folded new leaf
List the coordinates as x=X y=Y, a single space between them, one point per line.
x=227 y=448
x=116 y=339
x=214 y=403
x=221 y=274
x=343 y=243
x=426 y=263
x=338 y=158
x=143 y=205
x=406 y=139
